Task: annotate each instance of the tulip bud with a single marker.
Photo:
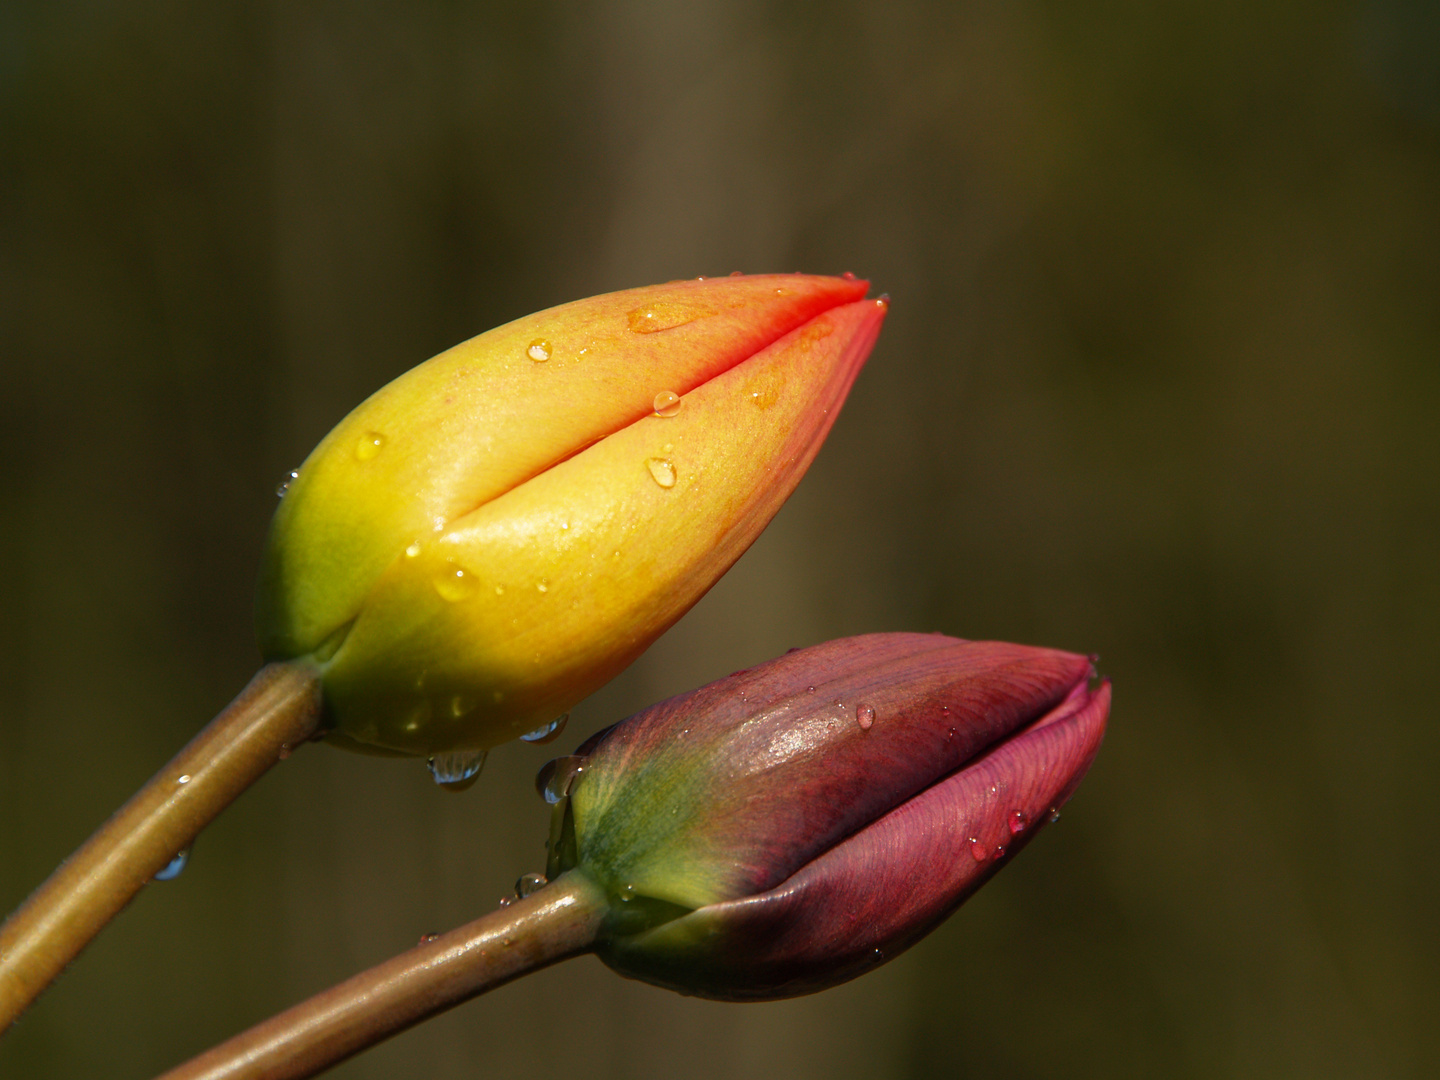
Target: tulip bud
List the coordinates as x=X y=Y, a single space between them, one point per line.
x=500 y=531
x=792 y=826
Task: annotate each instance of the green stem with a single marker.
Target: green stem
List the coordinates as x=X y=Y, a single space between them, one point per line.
x=557 y=922
x=278 y=710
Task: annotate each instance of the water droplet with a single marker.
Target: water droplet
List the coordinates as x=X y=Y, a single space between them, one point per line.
x=454 y=584
x=284 y=485
x=539 y=350
x=413 y=550
x=1017 y=822
x=543 y=585
x=999 y=851
x=1054 y=815
x=865 y=714
x=506 y=901
x=848 y=275
x=809 y=689
x=183 y=778
x=456 y=770
x=425 y=939
x=285 y=751
x=530 y=883
x=737 y=273
x=662 y=470
x=667 y=314
x=667 y=403
x=549 y=732
x=979 y=850
x=369 y=445
x=174 y=866
x=627 y=893
x=555 y=778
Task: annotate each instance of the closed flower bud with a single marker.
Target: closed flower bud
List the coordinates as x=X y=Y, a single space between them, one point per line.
x=501 y=530
x=794 y=825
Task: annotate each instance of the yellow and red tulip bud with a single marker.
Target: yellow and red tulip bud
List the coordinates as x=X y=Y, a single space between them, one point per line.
x=792 y=826
x=498 y=532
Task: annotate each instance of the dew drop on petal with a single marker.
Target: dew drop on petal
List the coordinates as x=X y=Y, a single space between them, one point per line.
x=174 y=866
x=284 y=485
x=667 y=314
x=454 y=584
x=369 y=445
x=539 y=350
x=530 y=883
x=548 y=732
x=999 y=851
x=1054 y=815
x=627 y=893
x=979 y=850
x=506 y=901
x=848 y=275
x=1017 y=822
x=865 y=714
x=456 y=770
x=425 y=939
x=662 y=470
x=183 y=778
x=412 y=550
x=667 y=403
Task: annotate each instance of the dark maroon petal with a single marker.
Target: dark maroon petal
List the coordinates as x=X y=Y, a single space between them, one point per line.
x=875 y=894
x=727 y=791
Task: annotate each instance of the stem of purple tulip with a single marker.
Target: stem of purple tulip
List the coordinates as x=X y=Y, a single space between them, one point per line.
x=552 y=924
x=278 y=710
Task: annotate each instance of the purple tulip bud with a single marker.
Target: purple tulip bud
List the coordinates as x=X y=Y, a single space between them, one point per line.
x=795 y=825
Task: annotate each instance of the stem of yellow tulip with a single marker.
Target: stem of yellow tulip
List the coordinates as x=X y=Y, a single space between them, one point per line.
x=552 y=924
x=278 y=710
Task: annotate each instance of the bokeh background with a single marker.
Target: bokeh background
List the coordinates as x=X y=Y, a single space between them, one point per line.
x=1161 y=380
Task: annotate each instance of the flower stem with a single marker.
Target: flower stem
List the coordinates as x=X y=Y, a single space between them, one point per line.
x=554 y=923
x=279 y=709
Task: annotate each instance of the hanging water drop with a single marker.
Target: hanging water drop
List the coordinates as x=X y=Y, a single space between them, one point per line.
x=425 y=939
x=174 y=866
x=1017 y=822
x=284 y=485
x=548 y=732
x=456 y=770
x=530 y=883
x=556 y=778
x=539 y=350
x=662 y=470
x=978 y=850
x=667 y=403
x=865 y=714
x=1054 y=815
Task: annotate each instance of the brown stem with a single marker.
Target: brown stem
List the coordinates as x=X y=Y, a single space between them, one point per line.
x=280 y=708
x=559 y=921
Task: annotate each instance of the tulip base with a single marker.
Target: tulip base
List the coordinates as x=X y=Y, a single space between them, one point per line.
x=278 y=710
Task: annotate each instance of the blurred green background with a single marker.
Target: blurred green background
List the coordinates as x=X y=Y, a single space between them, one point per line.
x=1161 y=380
